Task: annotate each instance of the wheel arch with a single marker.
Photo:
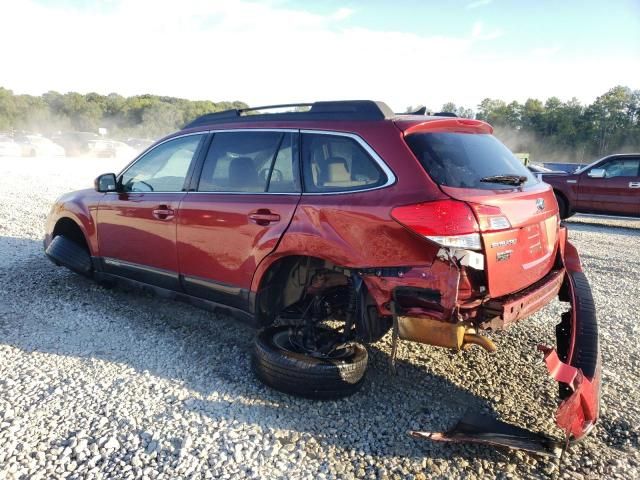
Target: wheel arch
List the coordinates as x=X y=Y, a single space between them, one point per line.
x=282 y=282
x=71 y=229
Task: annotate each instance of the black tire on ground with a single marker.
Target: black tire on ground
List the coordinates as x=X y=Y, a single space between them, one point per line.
x=66 y=252
x=563 y=207
x=305 y=376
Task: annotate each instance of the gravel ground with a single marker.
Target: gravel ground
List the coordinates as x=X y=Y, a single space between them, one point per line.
x=98 y=383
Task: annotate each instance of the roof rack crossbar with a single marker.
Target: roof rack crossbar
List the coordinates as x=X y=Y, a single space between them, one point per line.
x=355 y=110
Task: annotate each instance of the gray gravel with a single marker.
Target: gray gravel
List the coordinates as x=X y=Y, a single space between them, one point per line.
x=98 y=383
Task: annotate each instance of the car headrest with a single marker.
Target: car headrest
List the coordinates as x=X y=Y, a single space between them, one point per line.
x=242 y=172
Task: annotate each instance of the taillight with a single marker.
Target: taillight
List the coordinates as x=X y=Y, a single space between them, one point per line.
x=449 y=223
x=490 y=218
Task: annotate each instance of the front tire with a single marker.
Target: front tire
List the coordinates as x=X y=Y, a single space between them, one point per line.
x=278 y=363
x=563 y=207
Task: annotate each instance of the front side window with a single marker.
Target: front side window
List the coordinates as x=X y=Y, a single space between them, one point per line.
x=251 y=162
x=163 y=169
x=623 y=167
x=335 y=163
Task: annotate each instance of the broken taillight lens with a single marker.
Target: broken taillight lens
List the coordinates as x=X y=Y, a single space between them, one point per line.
x=449 y=223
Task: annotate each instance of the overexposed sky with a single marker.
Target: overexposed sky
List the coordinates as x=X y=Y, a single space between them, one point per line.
x=403 y=52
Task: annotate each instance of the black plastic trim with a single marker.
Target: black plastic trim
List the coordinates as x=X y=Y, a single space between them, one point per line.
x=239 y=314
x=218 y=292
x=334 y=110
x=141 y=273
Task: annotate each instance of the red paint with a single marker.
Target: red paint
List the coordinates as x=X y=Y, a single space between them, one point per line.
x=129 y=230
x=577 y=414
x=453 y=125
x=222 y=237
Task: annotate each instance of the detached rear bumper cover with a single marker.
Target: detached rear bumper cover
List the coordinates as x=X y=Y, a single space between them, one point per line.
x=576 y=364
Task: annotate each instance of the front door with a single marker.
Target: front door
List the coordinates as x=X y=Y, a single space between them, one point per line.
x=618 y=192
x=137 y=224
x=247 y=193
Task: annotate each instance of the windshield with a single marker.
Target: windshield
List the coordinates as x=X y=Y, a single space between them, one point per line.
x=468 y=160
x=586 y=167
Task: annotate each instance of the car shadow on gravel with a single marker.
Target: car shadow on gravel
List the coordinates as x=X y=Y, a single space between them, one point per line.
x=51 y=310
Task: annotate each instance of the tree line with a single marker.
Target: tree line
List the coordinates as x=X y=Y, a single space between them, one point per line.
x=144 y=116
x=550 y=131
x=564 y=131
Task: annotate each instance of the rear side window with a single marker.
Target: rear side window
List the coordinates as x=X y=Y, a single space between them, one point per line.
x=252 y=162
x=464 y=159
x=334 y=163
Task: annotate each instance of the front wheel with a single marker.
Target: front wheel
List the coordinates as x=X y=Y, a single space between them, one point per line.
x=281 y=362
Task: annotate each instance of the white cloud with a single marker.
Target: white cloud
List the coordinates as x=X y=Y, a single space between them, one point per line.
x=480 y=32
x=265 y=53
x=545 y=51
x=478 y=3
x=342 y=13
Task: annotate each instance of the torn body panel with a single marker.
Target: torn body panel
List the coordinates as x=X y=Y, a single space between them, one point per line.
x=577 y=363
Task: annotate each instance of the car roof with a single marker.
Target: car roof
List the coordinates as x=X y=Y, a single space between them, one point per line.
x=323 y=111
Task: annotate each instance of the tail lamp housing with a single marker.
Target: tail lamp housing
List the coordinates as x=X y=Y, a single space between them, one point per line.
x=451 y=223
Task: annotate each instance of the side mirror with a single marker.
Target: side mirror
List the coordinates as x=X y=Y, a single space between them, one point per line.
x=106 y=183
x=597 y=173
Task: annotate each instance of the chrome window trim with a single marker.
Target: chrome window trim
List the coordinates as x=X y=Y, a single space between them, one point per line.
x=391 y=178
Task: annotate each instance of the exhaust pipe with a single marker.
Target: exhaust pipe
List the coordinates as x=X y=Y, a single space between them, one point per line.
x=456 y=336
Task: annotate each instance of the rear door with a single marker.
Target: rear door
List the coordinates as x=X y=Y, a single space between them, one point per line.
x=137 y=225
x=618 y=192
x=518 y=222
x=247 y=192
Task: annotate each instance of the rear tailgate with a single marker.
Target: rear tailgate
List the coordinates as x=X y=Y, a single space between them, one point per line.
x=471 y=165
x=519 y=256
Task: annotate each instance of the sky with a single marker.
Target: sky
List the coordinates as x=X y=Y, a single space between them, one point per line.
x=403 y=52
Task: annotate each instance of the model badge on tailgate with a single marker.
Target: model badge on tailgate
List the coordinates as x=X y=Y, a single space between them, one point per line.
x=504 y=243
x=506 y=255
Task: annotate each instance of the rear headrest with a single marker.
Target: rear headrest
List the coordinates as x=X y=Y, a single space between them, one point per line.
x=335 y=170
x=242 y=172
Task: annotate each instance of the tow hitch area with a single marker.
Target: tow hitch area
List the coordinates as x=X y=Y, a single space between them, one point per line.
x=575 y=364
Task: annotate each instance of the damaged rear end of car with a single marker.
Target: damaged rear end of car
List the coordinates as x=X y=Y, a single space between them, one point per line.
x=504 y=255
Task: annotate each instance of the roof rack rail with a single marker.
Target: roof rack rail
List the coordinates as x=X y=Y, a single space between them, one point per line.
x=334 y=110
x=445 y=114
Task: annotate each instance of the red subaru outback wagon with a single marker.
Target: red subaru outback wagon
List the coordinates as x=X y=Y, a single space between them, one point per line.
x=327 y=227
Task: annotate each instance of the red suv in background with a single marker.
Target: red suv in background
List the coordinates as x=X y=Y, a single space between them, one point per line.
x=610 y=185
x=326 y=228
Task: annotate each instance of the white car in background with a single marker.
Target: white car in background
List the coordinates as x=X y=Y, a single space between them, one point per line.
x=111 y=148
x=39 y=146
x=9 y=148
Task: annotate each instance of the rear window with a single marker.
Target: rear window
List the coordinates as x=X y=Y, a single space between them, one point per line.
x=463 y=159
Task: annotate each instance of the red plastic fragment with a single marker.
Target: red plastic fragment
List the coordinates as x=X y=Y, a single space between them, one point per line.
x=577 y=413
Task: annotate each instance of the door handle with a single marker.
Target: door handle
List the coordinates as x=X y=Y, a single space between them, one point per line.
x=163 y=212
x=634 y=184
x=264 y=217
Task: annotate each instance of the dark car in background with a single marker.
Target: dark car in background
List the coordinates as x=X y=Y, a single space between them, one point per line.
x=608 y=186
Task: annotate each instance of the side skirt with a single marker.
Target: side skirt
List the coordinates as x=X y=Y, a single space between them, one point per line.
x=161 y=292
